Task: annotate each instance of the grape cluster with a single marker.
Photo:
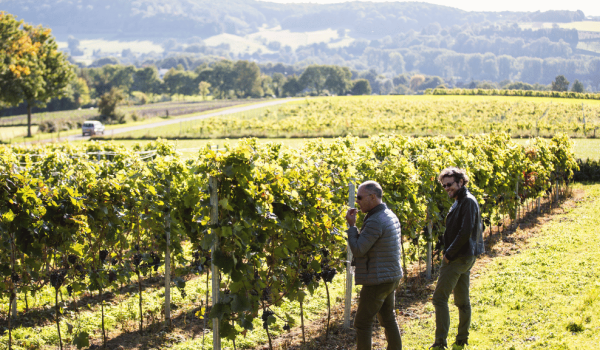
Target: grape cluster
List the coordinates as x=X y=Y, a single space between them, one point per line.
x=137 y=259
x=112 y=276
x=266 y=295
x=103 y=255
x=72 y=259
x=286 y=327
x=57 y=279
x=327 y=273
x=69 y=290
x=265 y=318
x=306 y=277
x=15 y=278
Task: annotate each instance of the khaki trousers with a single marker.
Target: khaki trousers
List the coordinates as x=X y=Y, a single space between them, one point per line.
x=454 y=277
x=377 y=300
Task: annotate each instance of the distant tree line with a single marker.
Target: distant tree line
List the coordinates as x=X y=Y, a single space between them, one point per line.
x=226 y=79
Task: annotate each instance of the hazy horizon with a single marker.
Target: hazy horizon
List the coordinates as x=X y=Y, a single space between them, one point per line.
x=590 y=8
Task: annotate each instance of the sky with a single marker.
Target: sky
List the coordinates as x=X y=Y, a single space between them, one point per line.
x=589 y=7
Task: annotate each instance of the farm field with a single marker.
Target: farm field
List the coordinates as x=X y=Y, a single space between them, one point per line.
x=148 y=114
x=13 y=129
x=424 y=115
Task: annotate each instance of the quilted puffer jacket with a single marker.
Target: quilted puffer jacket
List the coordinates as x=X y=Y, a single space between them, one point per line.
x=376 y=248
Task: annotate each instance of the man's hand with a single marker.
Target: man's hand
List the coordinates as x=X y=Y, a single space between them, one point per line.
x=351 y=216
x=446 y=260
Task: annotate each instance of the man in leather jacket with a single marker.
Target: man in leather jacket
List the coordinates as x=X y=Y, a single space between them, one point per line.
x=463 y=242
x=377 y=255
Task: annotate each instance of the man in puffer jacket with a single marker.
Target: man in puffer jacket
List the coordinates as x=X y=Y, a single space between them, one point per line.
x=377 y=255
x=463 y=241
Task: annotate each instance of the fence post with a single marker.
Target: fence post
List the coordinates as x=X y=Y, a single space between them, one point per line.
x=517 y=207
x=348 y=299
x=214 y=220
x=14 y=307
x=429 y=250
x=168 y=263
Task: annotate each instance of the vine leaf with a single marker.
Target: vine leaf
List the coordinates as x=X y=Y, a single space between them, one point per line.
x=81 y=340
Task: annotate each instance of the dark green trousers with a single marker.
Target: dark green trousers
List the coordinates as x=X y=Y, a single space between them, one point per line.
x=377 y=300
x=454 y=277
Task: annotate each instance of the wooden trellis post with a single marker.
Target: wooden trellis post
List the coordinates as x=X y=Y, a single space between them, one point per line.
x=349 y=274
x=429 y=248
x=168 y=264
x=214 y=220
x=517 y=207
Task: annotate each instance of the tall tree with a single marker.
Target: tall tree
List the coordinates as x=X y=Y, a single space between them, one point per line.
x=338 y=79
x=204 y=88
x=560 y=83
x=37 y=71
x=278 y=81
x=313 y=78
x=146 y=80
x=247 y=77
x=577 y=86
x=221 y=77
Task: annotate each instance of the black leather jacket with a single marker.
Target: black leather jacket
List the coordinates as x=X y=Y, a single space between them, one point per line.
x=464 y=230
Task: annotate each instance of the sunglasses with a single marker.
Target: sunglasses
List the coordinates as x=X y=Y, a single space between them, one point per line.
x=448 y=184
x=360 y=198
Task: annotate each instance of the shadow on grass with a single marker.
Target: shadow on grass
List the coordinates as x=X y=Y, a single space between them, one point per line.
x=42 y=316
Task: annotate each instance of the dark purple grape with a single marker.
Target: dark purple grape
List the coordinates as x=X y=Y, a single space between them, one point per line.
x=56 y=279
x=266 y=314
x=266 y=295
x=15 y=277
x=327 y=273
x=112 y=276
x=137 y=259
x=103 y=255
x=306 y=278
x=72 y=259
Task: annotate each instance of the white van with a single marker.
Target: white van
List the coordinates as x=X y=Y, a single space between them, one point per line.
x=92 y=127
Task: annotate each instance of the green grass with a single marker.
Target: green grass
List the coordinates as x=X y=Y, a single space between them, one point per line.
x=546 y=297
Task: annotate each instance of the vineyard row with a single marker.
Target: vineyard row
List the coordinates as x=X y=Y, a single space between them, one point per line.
x=268 y=218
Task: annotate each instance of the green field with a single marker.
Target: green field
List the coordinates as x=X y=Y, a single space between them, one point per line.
x=422 y=115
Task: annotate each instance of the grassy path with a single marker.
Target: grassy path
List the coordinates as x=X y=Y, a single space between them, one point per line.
x=545 y=296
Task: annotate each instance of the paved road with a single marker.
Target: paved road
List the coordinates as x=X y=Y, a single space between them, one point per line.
x=127 y=129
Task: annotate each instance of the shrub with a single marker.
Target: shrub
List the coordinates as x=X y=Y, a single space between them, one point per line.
x=48 y=126
x=574 y=327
